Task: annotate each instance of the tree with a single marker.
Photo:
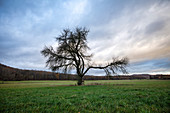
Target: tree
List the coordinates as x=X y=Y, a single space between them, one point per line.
x=71 y=53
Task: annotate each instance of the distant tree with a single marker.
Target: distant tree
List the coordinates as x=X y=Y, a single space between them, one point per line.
x=71 y=53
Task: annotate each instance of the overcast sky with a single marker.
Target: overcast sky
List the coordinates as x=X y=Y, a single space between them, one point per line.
x=137 y=29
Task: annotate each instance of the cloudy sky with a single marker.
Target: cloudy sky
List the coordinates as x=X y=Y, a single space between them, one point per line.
x=137 y=29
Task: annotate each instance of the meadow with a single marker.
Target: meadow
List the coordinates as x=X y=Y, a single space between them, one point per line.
x=103 y=96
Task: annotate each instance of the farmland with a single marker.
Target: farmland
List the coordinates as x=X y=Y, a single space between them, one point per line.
x=95 y=96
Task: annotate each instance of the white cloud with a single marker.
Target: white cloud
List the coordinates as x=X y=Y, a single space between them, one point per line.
x=140 y=33
x=75 y=7
x=75 y=10
x=126 y=35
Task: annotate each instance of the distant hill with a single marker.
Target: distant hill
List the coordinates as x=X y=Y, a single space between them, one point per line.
x=10 y=74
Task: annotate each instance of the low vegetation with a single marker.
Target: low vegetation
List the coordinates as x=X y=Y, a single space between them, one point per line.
x=97 y=96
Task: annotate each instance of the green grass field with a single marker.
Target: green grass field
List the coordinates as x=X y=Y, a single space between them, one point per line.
x=143 y=96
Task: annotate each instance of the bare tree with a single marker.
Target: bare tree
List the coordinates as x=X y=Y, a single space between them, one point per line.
x=71 y=53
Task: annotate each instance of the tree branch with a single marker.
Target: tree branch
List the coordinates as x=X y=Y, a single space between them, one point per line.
x=115 y=64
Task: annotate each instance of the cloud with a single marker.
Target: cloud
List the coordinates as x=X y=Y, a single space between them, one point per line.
x=151 y=66
x=27 y=28
x=75 y=7
x=74 y=11
x=140 y=33
x=127 y=36
x=155 y=26
x=136 y=29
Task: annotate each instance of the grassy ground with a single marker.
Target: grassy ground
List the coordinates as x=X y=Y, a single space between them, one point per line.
x=115 y=96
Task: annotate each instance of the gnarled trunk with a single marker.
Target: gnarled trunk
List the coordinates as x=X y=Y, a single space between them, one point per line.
x=80 y=80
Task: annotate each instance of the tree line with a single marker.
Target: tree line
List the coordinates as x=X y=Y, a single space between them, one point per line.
x=13 y=74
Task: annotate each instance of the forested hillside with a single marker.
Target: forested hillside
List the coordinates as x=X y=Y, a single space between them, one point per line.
x=9 y=73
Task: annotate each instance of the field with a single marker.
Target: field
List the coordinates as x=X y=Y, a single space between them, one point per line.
x=145 y=96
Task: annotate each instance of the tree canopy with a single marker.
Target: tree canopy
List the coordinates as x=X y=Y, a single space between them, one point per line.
x=71 y=53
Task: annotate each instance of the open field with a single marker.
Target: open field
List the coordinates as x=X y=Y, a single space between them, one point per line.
x=57 y=96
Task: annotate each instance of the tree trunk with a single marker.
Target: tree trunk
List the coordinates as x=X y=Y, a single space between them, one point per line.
x=80 y=81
